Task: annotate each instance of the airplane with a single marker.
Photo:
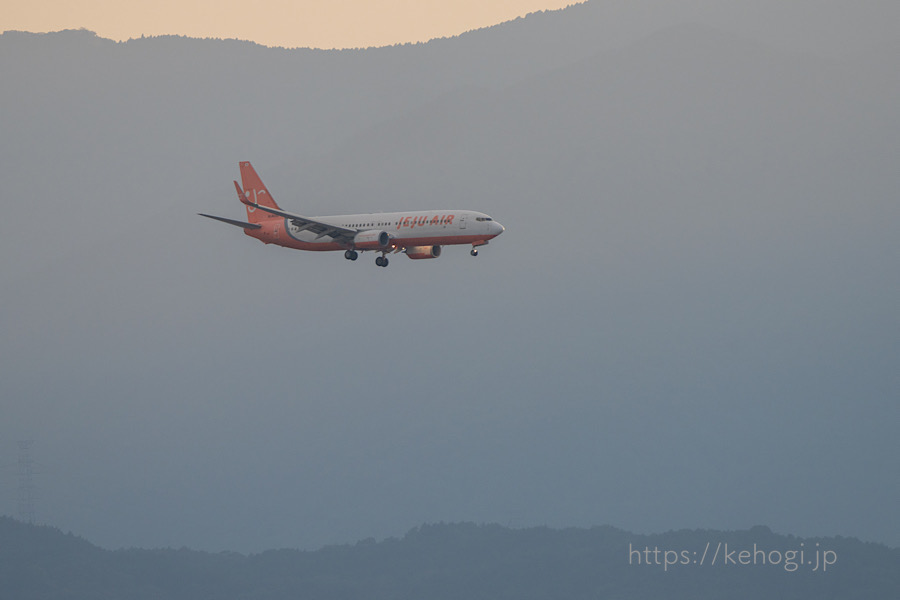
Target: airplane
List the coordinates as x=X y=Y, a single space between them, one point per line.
x=418 y=234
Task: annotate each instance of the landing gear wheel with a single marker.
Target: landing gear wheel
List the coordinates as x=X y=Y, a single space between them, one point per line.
x=351 y=255
x=381 y=261
x=474 y=252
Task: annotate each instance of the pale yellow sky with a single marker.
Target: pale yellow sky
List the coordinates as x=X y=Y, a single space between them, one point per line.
x=289 y=23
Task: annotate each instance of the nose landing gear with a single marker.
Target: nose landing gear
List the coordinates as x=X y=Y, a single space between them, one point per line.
x=474 y=250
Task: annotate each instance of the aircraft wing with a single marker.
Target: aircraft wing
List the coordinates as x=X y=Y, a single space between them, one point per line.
x=338 y=234
x=232 y=221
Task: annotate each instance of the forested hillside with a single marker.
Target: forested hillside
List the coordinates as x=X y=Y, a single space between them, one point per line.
x=457 y=561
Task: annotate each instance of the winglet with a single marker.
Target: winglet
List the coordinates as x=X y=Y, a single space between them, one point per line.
x=241 y=195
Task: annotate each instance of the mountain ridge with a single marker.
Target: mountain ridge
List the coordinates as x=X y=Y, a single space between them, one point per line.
x=442 y=560
x=531 y=16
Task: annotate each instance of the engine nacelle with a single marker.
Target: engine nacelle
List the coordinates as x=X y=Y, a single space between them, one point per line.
x=420 y=252
x=372 y=240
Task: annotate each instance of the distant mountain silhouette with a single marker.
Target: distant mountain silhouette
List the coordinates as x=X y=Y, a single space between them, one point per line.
x=453 y=561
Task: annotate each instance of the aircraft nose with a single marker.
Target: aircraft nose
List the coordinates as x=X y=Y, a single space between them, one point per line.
x=497 y=228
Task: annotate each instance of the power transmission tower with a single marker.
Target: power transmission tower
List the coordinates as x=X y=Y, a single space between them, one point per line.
x=26 y=482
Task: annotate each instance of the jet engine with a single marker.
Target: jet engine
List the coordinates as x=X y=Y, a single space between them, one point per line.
x=420 y=252
x=372 y=240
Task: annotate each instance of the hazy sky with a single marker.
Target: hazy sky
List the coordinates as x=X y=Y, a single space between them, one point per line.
x=289 y=23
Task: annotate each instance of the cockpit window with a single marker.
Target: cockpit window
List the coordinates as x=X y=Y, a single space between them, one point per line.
x=483 y=219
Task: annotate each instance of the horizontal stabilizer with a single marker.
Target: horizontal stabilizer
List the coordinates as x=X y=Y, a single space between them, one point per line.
x=232 y=222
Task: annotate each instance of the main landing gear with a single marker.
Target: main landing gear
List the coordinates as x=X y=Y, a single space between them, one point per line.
x=381 y=261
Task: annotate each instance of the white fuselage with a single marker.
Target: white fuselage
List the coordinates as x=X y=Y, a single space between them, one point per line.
x=412 y=228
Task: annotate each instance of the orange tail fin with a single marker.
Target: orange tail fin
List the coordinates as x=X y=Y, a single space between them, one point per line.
x=255 y=191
